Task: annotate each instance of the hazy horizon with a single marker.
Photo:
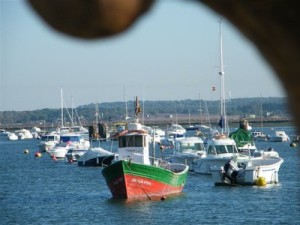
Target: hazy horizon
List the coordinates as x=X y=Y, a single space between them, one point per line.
x=69 y=104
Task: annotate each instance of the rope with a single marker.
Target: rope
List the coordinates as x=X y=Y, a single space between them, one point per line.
x=137 y=181
x=165 y=163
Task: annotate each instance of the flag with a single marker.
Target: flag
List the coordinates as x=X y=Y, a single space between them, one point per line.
x=221 y=122
x=138 y=108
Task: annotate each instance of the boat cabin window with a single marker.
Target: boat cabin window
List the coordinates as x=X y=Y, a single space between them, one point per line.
x=75 y=129
x=231 y=149
x=221 y=149
x=64 y=130
x=47 y=138
x=131 y=141
x=69 y=138
x=211 y=150
x=199 y=146
x=192 y=146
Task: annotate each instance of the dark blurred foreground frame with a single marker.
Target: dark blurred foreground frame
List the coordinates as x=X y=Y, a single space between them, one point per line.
x=272 y=25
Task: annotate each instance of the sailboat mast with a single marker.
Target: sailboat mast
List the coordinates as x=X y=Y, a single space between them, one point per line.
x=72 y=112
x=261 y=114
x=97 y=113
x=62 y=107
x=125 y=102
x=200 y=109
x=222 y=83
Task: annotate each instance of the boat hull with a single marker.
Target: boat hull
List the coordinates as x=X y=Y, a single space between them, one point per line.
x=129 y=180
x=58 y=152
x=204 y=165
x=259 y=168
x=46 y=146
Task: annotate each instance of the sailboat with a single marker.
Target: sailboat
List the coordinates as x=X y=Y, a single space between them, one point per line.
x=135 y=175
x=258 y=135
x=221 y=148
x=251 y=168
x=78 y=129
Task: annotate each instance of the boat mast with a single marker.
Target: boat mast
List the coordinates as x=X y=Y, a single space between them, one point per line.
x=62 y=107
x=223 y=120
x=200 y=110
x=72 y=112
x=261 y=114
x=207 y=117
x=189 y=117
x=125 y=102
x=97 y=113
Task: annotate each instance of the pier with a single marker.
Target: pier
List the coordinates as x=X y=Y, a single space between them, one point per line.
x=163 y=121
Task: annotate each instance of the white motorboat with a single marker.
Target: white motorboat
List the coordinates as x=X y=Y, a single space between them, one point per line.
x=222 y=148
x=175 y=131
x=23 y=134
x=3 y=133
x=74 y=129
x=73 y=154
x=187 y=150
x=218 y=151
x=159 y=132
x=12 y=136
x=68 y=141
x=251 y=150
x=259 y=136
x=35 y=131
x=156 y=134
x=48 y=141
x=79 y=130
x=96 y=156
x=205 y=131
x=279 y=136
x=252 y=171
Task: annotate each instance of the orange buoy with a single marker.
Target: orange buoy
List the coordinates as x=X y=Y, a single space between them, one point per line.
x=37 y=154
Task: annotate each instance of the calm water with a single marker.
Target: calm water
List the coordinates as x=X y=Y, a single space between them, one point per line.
x=42 y=191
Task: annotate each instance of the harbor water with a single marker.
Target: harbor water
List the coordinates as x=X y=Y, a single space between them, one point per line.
x=39 y=190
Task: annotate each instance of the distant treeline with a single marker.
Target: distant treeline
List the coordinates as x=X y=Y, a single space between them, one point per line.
x=116 y=111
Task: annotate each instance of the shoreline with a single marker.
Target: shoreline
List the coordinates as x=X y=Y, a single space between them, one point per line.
x=162 y=122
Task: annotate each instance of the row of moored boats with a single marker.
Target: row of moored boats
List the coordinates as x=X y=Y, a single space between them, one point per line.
x=134 y=171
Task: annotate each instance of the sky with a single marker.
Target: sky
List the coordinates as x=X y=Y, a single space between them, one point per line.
x=171 y=53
